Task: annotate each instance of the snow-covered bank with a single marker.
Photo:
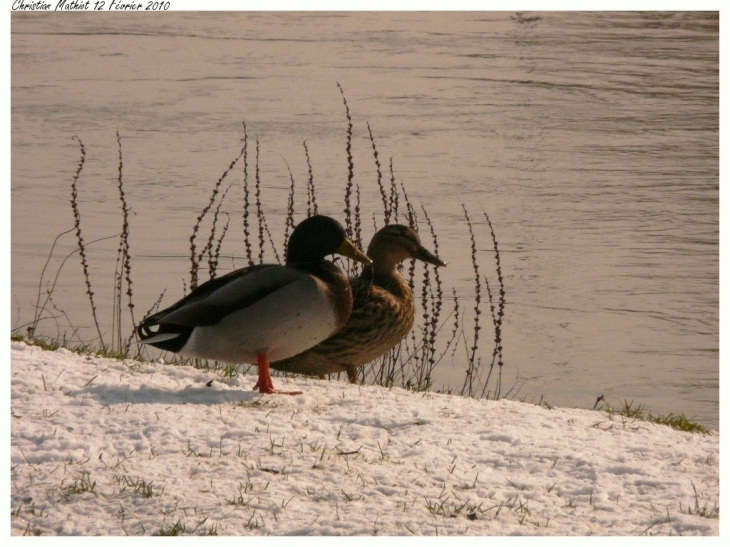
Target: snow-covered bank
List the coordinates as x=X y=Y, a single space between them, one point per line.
x=100 y=446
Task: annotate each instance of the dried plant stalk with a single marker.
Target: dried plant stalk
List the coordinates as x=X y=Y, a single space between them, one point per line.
x=259 y=210
x=126 y=265
x=350 y=167
x=393 y=200
x=212 y=248
x=311 y=197
x=473 y=363
x=80 y=239
x=386 y=209
x=246 y=203
x=289 y=222
x=195 y=259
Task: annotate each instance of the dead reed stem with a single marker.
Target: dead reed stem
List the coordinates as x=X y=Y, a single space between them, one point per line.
x=472 y=367
x=271 y=239
x=357 y=232
x=39 y=308
x=289 y=223
x=502 y=302
x=124 y=249
x=386 y=209
x=350 y=168
x=217 y=253
x=212 y=248
x=260 y=216
x=259 y=210
x=195 y=260
x=80 y=239
x=437 y=299
x=426 y=357
x=498 y=317
x=246 y=203
x=393 y=200
x=455 y=330
x=311 y=198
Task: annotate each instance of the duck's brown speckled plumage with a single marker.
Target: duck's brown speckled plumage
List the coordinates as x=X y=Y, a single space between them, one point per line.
x=383 y=310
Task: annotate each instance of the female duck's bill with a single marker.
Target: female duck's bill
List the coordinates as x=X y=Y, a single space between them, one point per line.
x=265 y=312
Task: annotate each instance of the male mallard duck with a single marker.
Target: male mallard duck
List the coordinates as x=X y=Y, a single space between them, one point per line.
x=264 y=312
x=383 y=309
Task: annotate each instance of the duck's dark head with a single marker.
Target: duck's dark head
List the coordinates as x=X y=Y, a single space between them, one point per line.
x=318 y=236
x=395 y=243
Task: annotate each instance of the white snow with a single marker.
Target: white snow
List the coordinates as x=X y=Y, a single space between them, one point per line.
x=100 y=446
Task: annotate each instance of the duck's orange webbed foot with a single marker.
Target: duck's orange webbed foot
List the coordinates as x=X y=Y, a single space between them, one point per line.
x=264 y=383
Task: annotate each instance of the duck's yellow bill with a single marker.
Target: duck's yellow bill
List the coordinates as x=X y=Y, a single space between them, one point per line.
x=350 y=251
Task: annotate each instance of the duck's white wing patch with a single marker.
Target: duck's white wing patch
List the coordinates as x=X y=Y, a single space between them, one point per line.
x=159 y=338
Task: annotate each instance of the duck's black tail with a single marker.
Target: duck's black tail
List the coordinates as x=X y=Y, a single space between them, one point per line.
x=167 y=336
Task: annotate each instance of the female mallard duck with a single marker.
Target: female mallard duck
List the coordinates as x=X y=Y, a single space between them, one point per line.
x=383 y=309
x=265 y=312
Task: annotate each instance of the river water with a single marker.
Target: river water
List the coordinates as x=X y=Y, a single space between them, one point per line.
x=590 y=139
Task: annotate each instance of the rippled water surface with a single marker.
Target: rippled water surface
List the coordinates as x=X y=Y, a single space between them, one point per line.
x=591 y=139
